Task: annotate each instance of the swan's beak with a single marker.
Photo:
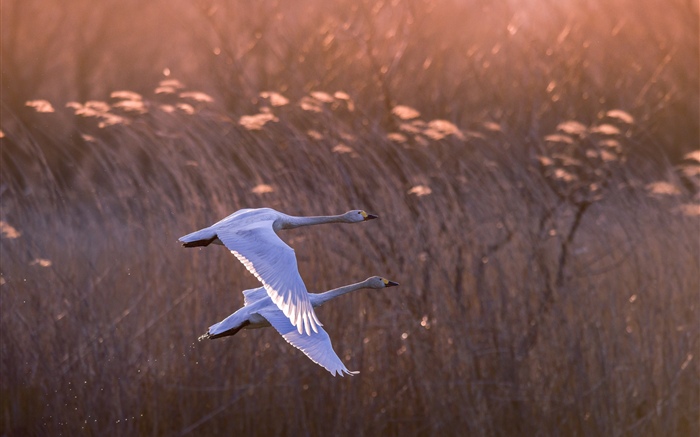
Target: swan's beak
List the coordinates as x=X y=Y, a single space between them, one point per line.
x=392 y=284
x=371 y=216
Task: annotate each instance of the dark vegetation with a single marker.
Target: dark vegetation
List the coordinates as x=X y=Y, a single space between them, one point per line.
x=539 y=207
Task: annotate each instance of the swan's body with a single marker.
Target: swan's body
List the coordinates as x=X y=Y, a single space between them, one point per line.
x=250 y=234
x=259 y=312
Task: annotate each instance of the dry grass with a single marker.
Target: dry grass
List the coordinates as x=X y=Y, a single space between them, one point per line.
x=103 y=338
x=549 y=286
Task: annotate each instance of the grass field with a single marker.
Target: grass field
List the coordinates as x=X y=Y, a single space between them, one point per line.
x=538 y=204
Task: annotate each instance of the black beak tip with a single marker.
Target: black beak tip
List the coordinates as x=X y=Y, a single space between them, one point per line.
x=392 y=284
x=371 y=217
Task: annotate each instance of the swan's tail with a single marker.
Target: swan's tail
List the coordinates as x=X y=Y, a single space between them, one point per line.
x=213 y=335
x=210 y=336
x=203 y=237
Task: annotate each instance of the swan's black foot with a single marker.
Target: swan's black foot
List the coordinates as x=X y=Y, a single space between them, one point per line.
x=200 y=243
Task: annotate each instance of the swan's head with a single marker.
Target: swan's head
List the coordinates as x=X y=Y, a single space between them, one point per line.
x=379 y=282
x=358 y=215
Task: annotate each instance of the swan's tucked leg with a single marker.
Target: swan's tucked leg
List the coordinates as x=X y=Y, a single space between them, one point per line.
x=200 y=243
x=228 y=333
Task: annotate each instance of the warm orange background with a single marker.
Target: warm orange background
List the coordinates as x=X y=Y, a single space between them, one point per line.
x=534 y=164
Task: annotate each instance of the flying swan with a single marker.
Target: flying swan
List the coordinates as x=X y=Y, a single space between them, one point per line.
x=251 y=235
x=259 y=312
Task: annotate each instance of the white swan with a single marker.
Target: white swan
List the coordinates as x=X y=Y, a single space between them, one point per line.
x=259 y=312
x=250 y=234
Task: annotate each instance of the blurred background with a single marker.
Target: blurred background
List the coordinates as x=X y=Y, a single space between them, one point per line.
x=535 y=166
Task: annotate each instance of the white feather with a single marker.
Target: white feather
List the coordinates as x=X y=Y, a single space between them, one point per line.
x=250 y=234
x=259 y=312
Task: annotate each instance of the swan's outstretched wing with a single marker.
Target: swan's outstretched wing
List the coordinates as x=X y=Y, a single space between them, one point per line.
x=253 y=295
x=316 y=345
x=274 y=263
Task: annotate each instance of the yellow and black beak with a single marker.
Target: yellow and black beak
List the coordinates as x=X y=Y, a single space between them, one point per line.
x=388 y=283
x=368 y=216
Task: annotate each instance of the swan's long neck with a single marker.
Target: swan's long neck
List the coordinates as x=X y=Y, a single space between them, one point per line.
x=318 y=299
x=292 y=222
